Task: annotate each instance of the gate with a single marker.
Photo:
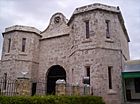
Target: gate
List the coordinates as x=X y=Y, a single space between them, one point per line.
x=8 y=87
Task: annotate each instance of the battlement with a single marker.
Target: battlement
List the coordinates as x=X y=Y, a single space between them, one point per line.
x=96 y=6
x=22 y=28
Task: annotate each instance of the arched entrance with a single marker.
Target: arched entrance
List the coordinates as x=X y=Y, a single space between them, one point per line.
x=54 y=73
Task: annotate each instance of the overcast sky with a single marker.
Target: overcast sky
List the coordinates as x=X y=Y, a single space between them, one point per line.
x=37 y=13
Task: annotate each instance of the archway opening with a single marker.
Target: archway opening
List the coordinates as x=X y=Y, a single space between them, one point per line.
x=54 y=73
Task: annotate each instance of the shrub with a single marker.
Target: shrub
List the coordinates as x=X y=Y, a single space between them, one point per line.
x=51 y=100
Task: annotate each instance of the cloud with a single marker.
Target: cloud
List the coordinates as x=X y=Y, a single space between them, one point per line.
x=37 y=13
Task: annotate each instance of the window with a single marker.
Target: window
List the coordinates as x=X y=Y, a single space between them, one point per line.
x=107 y=28
x=5 y=80
x=137 y=85
x=88 y=73
x=110 y=77
x=72 y=75
x=87 y=28
x=9 y=44
x=23 y=44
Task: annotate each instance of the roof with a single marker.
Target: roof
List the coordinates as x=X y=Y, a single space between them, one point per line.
x=22 y=28
x=98 y=6
x=132 y=66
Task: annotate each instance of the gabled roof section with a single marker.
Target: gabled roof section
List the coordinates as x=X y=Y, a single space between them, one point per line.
x=98 y=6
x=57 y=27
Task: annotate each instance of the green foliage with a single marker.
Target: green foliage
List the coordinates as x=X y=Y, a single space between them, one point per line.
x=51 y=100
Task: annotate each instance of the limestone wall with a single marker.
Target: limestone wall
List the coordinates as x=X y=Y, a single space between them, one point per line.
x=54 y=45
x=53 y=52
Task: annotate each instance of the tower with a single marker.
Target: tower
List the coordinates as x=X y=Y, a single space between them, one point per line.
x=20 y=52
x=99 y=48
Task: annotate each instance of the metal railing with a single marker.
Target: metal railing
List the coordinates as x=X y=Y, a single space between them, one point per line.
x=10 y=87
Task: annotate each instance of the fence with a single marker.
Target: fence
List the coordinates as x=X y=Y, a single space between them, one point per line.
x=8 y=87
x=19 y=87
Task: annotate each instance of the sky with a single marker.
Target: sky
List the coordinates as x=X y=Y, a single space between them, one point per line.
x=37 y=13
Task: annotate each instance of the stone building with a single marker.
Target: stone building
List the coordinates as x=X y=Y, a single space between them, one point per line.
x=92 y=43
x=131 y=79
